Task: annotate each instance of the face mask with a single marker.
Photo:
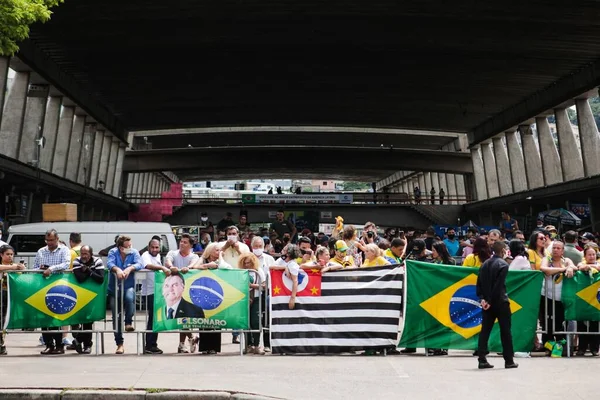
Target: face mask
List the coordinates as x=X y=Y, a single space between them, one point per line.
x=451 y=237
x=127 y=251
x=286 y=239
x=232 y=238
x=258 y=252
x=204 y=219
x=205 y=242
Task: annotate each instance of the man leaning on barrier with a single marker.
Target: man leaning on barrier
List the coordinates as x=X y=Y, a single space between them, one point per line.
x=85 y=267
x=54 y=257
x=123 y=261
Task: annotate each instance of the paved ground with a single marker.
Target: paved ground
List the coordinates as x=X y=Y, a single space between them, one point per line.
x=298 y=377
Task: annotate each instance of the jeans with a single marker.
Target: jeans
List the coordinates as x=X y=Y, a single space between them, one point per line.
x=503 y=314
x=116 y=306
x=84 y=338
x=265 y=319
x=553 y=321
x=151 y=338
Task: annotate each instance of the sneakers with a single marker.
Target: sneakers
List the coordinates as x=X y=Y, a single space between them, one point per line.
x=129 y=328
x=260 y=351
x=408 y=350
x=153 y=350
x=120 y=349
x=193 y=343
x=183 y=348
x=73 y=345
x=47 y=351
x=3 y=351
x=249 y=350
x=66 y=342
x=267 y=349
x=87 y=350
x=41 y=341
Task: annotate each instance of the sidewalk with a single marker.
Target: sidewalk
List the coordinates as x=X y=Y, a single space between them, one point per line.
x=295 y=377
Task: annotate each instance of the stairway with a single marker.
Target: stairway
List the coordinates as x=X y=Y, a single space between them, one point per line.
x=157 y=209
x=439 y=214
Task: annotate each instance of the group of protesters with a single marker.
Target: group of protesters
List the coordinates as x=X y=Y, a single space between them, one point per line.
x=234 y=245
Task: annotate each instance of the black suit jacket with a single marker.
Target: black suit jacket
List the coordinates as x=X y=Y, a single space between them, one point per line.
x=189 y=310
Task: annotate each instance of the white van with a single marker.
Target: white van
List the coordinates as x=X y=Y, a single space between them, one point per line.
x=27 y=239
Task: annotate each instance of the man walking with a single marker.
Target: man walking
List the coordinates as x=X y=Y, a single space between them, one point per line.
x=491 y=290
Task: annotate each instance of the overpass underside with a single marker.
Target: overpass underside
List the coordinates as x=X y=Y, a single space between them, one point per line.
x=402 y=94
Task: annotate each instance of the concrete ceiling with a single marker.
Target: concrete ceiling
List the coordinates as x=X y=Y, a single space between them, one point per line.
x=475 y=67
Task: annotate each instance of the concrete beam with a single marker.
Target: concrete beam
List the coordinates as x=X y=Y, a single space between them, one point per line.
x=65 y=124
x=569 y=87
x=570 y=156
x=548 y=152
x=50 y=131
x=589 y=137
x=12 y=116
x=232 y=160
x=533 y=162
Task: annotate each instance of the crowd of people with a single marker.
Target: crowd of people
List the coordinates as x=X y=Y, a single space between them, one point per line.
x=235 y=245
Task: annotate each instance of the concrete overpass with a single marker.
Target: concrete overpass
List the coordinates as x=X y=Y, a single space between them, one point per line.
x=197 y=72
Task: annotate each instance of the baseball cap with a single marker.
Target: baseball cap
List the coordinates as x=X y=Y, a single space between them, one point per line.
x=550 y=228
x=588 y=236
x=340 y=245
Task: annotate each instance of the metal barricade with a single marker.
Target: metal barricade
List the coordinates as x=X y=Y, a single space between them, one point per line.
x=4 y=307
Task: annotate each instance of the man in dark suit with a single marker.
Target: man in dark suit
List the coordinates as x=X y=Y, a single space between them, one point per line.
x=176 y=306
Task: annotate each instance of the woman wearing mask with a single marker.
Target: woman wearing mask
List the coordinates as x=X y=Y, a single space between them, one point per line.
x=519 y=254
x=265 y=261
x=323 y=261
x=481 y=252
x=250 y=262
x=7 y=254
x=440 y=255
x=210 y=343
x=590 y=266
x=374 y=257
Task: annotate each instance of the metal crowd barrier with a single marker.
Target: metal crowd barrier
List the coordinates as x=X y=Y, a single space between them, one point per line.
x=119 y=290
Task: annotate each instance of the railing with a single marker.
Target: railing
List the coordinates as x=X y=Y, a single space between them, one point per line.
x=357 y=198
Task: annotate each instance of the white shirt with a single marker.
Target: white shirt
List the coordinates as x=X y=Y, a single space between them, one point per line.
x=3 y=243
x=292 y=266
x=179 y=261
x=148 y=277
x=266 y=261
x=231 y=255
x=174 y=307
x=520 y=263
x=262 y=277
x=554 y=291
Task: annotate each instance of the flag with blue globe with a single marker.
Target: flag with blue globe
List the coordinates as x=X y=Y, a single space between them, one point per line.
x=59 y=300
x=222 y=296
x=444 y=312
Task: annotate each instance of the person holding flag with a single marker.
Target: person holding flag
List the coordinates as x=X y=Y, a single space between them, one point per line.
x=590 y=266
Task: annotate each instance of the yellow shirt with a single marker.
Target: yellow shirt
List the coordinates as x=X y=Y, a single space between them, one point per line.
x=345 y=262
x=472 y=260
x=75 y=252
x=535 y=259
x=390 y=254
x=377 y=262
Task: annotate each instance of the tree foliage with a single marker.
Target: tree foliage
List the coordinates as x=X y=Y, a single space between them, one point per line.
x=15 y=18
x=355 y=186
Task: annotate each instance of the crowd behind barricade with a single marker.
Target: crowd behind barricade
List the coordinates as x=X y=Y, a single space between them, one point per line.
x=228 y=245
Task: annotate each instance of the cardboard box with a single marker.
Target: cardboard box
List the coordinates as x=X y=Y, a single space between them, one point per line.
x=61 y=212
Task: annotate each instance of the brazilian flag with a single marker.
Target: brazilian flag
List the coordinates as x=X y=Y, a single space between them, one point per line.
x=205 y=299
x=58 y=300
x=580 y=296
x=443 y=310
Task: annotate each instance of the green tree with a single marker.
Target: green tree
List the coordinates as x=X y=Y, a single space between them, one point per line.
x=15 y=18
x=355 y=186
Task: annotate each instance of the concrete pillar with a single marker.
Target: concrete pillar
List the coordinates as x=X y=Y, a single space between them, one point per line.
x=421 y=180
x=533 y=162
x=87 y=154
x=119 y=170
x=451 y=189
x=461 y=190
x=516 y=162
x=443 y=185
x=548 y=152
x=112 y=166
x=12 y=116
x=65 y=124
x=35 y=109
x=589 y=137
x=4 y=66
x=570 y=156
x=489 y=164
x=96 y=157
x=50 y=131
x=104 y=156
x=502 y=166
x=479 y=172
x=128 y=190
x=134 y=178
x=145 y=187
x=435 y=183
x=75 y=145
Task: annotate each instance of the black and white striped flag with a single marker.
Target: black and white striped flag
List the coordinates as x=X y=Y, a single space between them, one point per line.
x=341 y=311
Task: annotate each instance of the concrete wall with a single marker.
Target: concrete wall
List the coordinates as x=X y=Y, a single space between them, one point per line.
x=402 y=216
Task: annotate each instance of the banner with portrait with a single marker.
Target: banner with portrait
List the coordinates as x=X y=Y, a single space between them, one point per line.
x=201 y=299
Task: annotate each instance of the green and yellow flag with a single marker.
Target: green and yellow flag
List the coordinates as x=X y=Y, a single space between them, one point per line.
x=211 y=299
x=580 y=296
x=59 y=300
x=443 y=310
